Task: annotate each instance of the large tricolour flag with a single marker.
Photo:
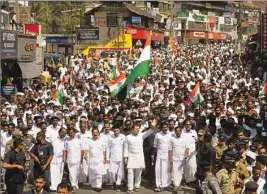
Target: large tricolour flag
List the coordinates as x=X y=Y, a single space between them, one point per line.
x=115 y=85
x=196 y=97
x=142 y=68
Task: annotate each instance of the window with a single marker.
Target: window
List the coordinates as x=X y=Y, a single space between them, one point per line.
x=112 y=20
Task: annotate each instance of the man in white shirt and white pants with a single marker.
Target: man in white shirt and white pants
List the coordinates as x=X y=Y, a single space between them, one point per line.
x=134 y=157
x=73 y=154
x=57 y=164
x=97 y=160
x=163 y=168
x=178 y=152
x=191 y=163
x=115 y=158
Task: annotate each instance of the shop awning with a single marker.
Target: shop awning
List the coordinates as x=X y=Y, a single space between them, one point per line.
x=138 y=11
x=29 y=70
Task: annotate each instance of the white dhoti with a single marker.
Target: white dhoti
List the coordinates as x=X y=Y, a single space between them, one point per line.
x=134 y=178
x=190 y=167
x=178 y=170
x=106 y=174
x=163 y=173
x=83 y=174
x=56 y=172
x=116 y=172
x=96 y=171
x=74 y=170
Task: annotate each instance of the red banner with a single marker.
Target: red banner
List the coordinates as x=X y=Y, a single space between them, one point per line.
x=264 y=33
x=31 y=29
x=143 y=34
x=216 y=36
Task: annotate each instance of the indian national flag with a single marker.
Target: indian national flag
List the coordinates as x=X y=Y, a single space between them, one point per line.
x=142 y=68
x=116 y=70
x=196 y=97
x=114 y=85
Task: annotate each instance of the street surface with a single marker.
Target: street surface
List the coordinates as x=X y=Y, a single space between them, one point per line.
x=86 y=189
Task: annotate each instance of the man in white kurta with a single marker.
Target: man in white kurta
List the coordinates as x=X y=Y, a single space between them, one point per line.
x=73 y=154
x=85 y=137
x=97 y=160
x=57 y=165
x=52 y=130
x=178 y=152
x=115 y=158
x=163 y=168
x=134 y=157
x=105 y=135
x=191 y=163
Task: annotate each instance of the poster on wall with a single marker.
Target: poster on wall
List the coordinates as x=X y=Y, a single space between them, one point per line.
x=87 y=33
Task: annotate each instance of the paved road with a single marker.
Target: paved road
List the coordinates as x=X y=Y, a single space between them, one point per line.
x=85 y=189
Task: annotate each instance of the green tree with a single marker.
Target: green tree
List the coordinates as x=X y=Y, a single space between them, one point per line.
x=49 y=16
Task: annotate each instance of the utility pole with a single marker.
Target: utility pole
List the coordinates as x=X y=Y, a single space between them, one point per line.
x=239 y=28
x=171 y=27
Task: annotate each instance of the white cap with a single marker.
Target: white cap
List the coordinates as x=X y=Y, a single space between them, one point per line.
x=251 y=154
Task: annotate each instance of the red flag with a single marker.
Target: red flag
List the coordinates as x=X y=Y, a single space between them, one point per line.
x=265 y=88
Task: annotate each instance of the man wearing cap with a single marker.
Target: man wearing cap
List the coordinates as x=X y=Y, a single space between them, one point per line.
x=161 y=148
x=210 y=184
x=250 y=160
x=178 y=152
x=115 y=158
x=220 y=148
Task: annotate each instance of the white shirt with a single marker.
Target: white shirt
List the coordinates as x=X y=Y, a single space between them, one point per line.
x=191 y=138
x=5 y=137
x=52 y=131
x=96 y=149
x=115 y=147
x=178 y=145
x=85 y=138
x=34 y=130
x=58 y=146
x=73 y=146
x=260 y=182
x=133 y=149
x=106 y=136
x=161 y=142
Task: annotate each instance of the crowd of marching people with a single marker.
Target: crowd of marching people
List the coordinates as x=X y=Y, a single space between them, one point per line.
x=197 y=120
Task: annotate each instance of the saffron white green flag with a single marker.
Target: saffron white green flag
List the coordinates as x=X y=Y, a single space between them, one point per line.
x=196 y=97
x=142 y=68
x=114 y=85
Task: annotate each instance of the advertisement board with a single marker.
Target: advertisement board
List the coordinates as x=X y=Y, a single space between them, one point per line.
x=26 y=49
x=9 y=44
x=57 y=40
x=86 y=33
x=25 y=14
x=264 y=33
x=136 y=20
x=31 y=29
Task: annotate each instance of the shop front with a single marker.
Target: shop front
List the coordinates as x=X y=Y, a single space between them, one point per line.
x=27 y=57
x=11 y=73
x=195 y=37
x=140 y=35
x=217 y=36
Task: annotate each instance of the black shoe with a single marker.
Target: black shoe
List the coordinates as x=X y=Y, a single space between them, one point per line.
x=99 y=190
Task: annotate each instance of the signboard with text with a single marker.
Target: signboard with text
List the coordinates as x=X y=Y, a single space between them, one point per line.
x=86 y=33
x=264 y=33
x=8 y=90
x=57 y=40
x=9 y=44
x=25 y=14
x=26 y=49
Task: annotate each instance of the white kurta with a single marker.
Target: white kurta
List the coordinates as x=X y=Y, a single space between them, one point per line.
x=133 y=149
x=57 y=162
x=5 y=137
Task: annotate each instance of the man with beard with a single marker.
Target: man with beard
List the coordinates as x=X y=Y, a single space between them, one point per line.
x=52 y=130
x=97 y=160
x=161 y=148
x=191 y=165
x=115 y=158
x=134 y=156
x=73 y=154
x=256 y=177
